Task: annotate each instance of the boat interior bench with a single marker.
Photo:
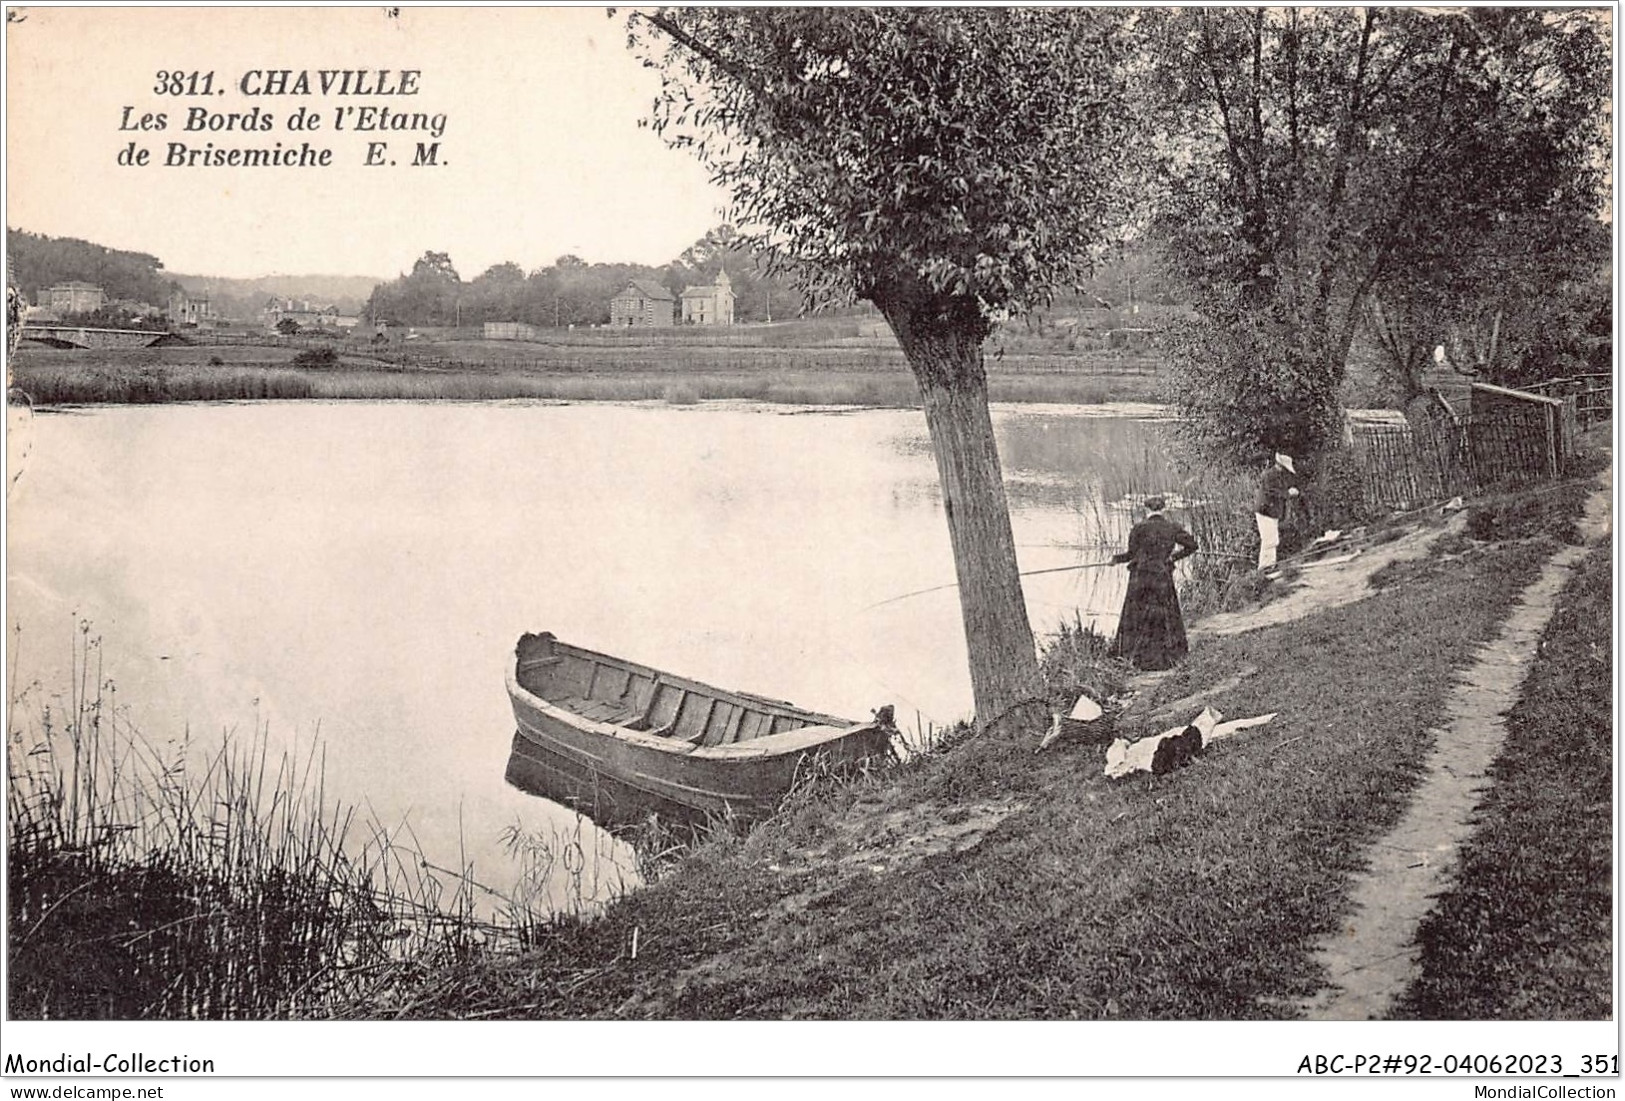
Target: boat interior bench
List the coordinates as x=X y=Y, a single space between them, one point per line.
x=678 y=716
x=646 y=701
x=603 y=711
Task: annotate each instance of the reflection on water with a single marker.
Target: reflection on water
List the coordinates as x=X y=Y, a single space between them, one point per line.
x=362 y=571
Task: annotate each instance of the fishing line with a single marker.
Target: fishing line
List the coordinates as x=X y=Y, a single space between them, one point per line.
x=955 y=584
x=1036 y=573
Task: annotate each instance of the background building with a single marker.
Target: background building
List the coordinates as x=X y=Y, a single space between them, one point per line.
x=187 y=309
x=305 y=314
x=710 y=305
x=74 y=297
x=643 y=304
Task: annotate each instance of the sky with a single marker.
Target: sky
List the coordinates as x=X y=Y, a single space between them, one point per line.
x=541 y=153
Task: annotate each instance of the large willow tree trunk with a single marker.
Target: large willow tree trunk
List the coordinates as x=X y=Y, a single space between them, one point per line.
x=943 y=343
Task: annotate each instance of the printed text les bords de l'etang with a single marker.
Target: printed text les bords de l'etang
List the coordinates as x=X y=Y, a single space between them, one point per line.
x=365 y=103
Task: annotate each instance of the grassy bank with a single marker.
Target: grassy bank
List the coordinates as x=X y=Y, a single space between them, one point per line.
x=980 y=880
x=1527 y=933
x=986 y=882
x=49 y=377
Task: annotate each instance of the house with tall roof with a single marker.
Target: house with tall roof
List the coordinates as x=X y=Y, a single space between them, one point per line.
x=710 y=305
x=643 y=304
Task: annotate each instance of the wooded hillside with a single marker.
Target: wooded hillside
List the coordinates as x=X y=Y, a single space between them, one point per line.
x=39 y=262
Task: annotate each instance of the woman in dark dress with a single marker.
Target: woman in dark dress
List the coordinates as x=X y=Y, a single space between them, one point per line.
x=1151 y=633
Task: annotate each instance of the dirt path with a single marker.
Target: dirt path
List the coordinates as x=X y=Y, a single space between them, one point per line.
x=1331 y=584
x=1374 y=958
x=1374 y=961
x=1318 y=586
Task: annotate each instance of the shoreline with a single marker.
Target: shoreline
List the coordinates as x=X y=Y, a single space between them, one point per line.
x=932 y=891
x=43 y=388
x=1129 y=409
x=678 y=374
x=1048 y=895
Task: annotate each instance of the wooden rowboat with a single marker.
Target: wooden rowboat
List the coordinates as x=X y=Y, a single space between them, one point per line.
x=619 y=741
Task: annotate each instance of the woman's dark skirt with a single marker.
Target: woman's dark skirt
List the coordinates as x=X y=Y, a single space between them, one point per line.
x=1151 y=632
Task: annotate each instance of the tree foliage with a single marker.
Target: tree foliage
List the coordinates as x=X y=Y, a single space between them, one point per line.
x=1317 y=159
x=435 y=267
x=954 y=167
x=572 y=291
x=969 y=152
x=430 y=295
x=39 y=262
x=1529 y=299
x=1242 y=386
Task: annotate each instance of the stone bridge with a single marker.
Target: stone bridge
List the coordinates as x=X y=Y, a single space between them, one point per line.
x=80 y=336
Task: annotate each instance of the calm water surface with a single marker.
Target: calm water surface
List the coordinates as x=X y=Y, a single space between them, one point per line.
x=359 y=572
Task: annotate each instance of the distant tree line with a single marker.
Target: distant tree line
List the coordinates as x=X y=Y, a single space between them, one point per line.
x=39 y=263
x=571 y=291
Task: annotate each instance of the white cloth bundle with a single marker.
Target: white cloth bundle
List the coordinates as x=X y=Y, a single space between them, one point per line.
x=1175 y=746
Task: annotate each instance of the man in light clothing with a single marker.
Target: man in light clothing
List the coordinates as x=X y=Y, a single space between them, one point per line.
x=1278 y=485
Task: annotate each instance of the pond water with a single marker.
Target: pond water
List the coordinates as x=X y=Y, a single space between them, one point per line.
x=358 y=573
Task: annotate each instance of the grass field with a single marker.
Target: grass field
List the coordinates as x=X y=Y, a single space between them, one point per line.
x=1196 y=895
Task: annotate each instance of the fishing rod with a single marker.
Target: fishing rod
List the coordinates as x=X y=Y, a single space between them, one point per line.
x=1035 y=573
x=955 y=584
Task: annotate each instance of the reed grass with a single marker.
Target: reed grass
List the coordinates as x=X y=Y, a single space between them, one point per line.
x=153 y=384
x=1077 y=658
x=147 y=377
x=219 y=881
x=564 y=875
x=150 y=385
x=1061 y=389
x=1214 y=504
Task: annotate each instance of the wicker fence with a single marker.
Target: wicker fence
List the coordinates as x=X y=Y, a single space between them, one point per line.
x=1402 y=469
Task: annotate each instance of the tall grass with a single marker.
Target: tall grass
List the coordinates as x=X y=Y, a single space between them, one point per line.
x=1214 y=504
x=67 y=379
x=1063 y=389
x=564 y=875
x=150 y=384
x=183 y=880
x=1078 y=658
x=156 y=385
